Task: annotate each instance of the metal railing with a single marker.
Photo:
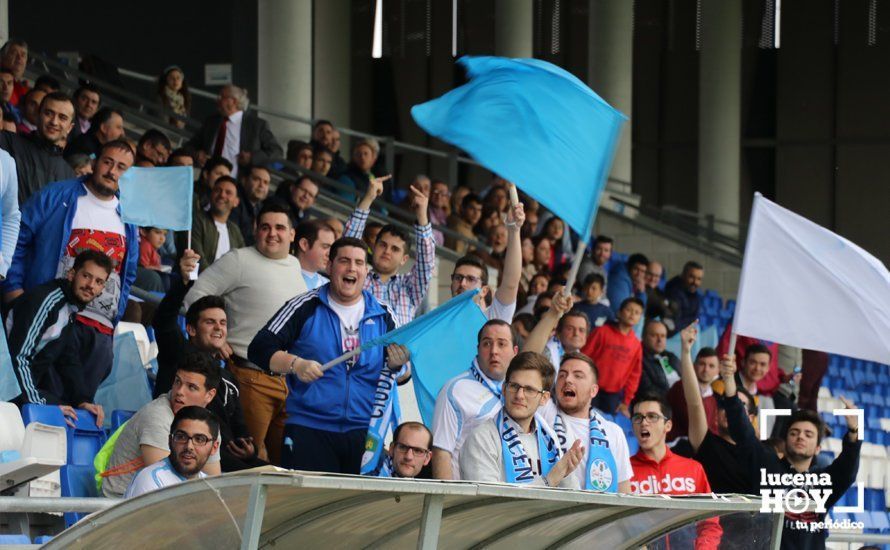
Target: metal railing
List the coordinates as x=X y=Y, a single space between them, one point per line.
x=720 y=238
x=146 y=114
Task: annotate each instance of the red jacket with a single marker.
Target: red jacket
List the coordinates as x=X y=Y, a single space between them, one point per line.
x=773 y=377
x=618 y=358
x=675 y=475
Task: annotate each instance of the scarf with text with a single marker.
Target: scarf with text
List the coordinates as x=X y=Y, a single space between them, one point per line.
x=601 y=473
x=518 y=466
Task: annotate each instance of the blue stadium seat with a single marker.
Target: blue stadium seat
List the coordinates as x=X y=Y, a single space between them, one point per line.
x=632 y=444
x=15 y=539
x=45 y=414
x=43 y=539
x=85 y=439
x=879 y=521
x=119 y=417
x=624 y=422
x=78 y=481
x=875 y=499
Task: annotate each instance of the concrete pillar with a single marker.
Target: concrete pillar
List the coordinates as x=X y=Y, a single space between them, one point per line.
x=331 y=71
x=610 y=68
x=513 y=35
x=4 y=21
x=284 y=64
x=719 y=111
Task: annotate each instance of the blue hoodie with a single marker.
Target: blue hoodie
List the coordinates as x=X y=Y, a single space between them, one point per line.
x=46 y=228
x=342 y=399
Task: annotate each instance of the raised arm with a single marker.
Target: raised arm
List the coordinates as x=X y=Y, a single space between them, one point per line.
x=355 y=225
x=421 y=273
x=537 y=339
x=509 y=286
x=695 y=408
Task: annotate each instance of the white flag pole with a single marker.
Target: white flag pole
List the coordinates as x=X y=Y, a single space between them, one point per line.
x=738 y=300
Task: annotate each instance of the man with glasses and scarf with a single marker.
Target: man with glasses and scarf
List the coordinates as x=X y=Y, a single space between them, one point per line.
x=193 y=438
x=472 y=397
x=518 y=446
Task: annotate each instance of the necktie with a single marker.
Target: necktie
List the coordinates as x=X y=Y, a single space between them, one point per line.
x=220 y=138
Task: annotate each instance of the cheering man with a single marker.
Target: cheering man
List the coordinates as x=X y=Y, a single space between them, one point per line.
x=518 y=446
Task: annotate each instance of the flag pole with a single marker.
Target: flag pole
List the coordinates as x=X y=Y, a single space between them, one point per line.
x=738 y=301
x=345 y=357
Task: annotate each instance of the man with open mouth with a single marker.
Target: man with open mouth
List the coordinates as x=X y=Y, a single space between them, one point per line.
x=657 y=470
x=329 y=412
x=518 y=446
x=606 y=459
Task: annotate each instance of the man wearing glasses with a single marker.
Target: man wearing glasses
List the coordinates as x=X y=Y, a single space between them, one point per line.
x=409 y=452
x=518 y=446
x=659 y=471
x=193 y=439
x=470 y=273
x=656 y=468
x=471 y=398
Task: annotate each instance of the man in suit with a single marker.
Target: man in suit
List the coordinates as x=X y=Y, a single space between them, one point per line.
x=241 y=138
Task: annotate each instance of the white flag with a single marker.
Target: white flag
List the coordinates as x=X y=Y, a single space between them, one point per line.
x=804 y=286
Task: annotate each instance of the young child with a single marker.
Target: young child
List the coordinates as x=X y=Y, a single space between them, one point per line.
x=150 y=240
x=591 y=293
x=151 y=275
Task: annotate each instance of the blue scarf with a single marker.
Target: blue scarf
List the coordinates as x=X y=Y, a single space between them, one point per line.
x=601 y=472
x=494 y=388
x=386 y=469
x=385 y=418
x=517 y=464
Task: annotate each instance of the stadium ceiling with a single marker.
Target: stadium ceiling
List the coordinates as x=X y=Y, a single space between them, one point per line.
x=268 y=507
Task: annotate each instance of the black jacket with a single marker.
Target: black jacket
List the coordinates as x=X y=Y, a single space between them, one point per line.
x=172 y=346
x=842 y=473
x=41 y=344
x=256 y=137
x=652 y=376
x=37 y=162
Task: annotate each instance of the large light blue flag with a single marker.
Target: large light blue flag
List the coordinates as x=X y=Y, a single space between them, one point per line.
x=534 y=124
x=9 y=384
x=442 y=345
x=158 y=197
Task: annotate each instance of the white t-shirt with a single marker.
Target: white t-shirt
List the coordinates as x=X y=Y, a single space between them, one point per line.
x=462 y=404
x=158 y=475
x=97 y=226
x=314 y=280
x=223 y=245
x=504 y=312
x=579 y=428
x=350 y=318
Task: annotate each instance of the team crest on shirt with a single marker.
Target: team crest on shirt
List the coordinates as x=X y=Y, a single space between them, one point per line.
x=600 y=475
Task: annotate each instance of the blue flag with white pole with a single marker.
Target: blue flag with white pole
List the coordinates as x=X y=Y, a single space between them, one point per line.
x=534 y=124
x=158 y=197
x=442 y=343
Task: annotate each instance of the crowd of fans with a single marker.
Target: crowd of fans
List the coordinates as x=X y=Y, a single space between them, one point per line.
x=273 y=290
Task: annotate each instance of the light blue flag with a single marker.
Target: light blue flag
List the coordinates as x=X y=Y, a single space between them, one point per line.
x=534 y=124
x=9 y=384
x=158 y=197
x=442 y=345
x=126 y=387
